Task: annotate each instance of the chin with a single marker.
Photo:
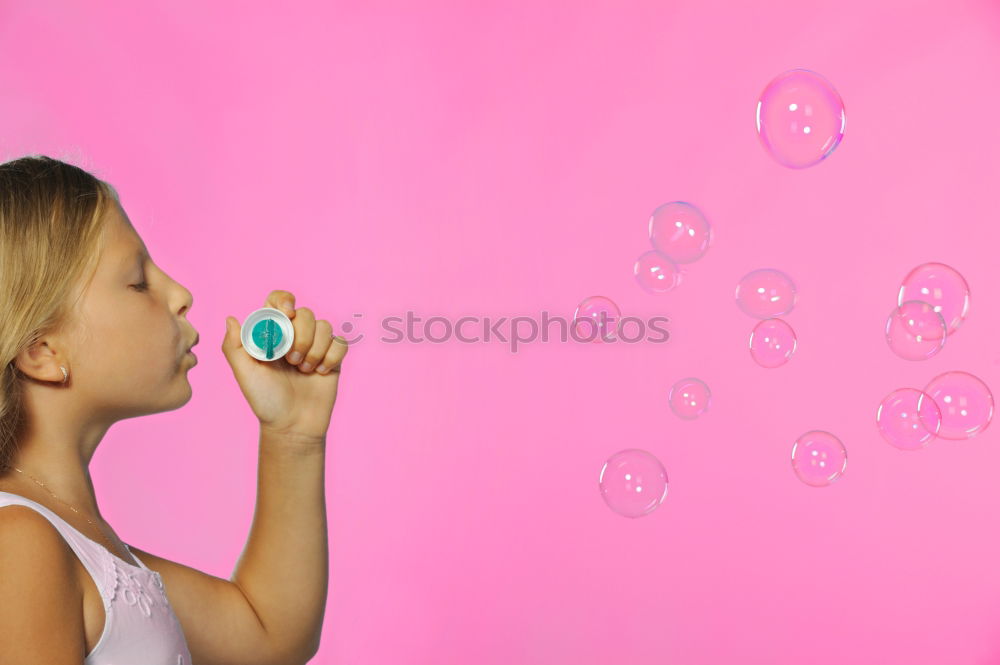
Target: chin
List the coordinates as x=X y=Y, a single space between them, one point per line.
x=183 y=397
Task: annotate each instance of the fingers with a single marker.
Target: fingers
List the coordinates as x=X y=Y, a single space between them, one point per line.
x=314 y=341
x=304 y=325
x=334 y=355
x=283 y=300
x=321 y=342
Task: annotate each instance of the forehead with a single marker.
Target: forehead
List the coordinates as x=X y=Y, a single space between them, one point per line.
x=123 y=241
x=119 y=257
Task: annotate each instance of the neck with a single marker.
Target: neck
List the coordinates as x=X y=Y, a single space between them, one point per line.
x=56 y=445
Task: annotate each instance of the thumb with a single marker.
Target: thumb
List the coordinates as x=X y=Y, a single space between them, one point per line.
x=232 y=338
x=232 y=349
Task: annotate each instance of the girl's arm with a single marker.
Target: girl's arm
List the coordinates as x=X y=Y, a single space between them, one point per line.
x=271 y=610
x=284 y=568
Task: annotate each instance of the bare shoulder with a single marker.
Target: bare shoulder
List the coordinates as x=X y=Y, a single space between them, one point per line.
x=41 y=598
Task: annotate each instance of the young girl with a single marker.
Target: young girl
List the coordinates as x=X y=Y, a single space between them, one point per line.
x=92 y=331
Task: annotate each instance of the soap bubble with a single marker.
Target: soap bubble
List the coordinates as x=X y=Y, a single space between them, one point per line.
x=908 y=418
x=772 y=343
x=633 y=482
x=680 y=230
x=941 y=286
x=966 y=404
x=689 y=398
x=915 y=331
x=656 y=272
x=800 y=118
x=818 y=458
x=766 y=293
x=596 y=320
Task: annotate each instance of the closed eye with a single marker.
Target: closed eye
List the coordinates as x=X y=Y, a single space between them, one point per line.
x=143 y=286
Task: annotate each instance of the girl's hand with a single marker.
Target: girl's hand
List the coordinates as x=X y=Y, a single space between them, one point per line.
x=290 y=398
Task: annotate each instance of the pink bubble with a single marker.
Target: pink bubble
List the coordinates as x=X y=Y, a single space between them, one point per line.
x=772 y=343
x=942 y=287
x=800 y=118
x=633 y=482
x=966 y=404
x=818 y=458
x=766 y=293
x=689 y=398
x=908 y=418
x=596 y=320
x=914 y=331
x=656 y=272
x=680 y=230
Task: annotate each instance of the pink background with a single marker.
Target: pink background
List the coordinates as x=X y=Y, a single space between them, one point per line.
x=494 y=159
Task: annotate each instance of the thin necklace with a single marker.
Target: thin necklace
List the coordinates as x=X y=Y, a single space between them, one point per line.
x=110 y=549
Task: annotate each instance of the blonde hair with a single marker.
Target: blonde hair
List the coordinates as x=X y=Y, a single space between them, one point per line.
x=52 y=230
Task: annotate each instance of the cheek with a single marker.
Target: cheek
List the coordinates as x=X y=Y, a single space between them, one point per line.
x=137 y=344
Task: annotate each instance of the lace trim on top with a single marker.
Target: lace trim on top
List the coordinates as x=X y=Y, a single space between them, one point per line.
x=123 y=580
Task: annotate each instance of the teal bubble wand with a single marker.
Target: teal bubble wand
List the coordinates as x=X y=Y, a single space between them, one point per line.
x=267 y=334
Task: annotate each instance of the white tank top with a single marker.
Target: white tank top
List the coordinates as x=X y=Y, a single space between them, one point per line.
x=140 y=627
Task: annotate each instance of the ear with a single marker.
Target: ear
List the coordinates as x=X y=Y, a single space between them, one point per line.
x=40 y=362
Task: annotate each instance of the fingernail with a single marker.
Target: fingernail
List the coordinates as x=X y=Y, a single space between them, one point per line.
x=295 y=357
x=321 y=369
x=305 y=367
x=287 y=305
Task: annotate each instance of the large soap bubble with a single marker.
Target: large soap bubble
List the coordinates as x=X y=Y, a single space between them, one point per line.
x=633 y=482
x=800 y=118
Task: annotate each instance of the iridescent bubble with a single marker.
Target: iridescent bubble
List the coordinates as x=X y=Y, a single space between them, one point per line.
x=915 y=331
x=818 y=458
x=765 y=293
x=772 y=343
x=943 y=287
x=596 y=320
x=656 y=272
x=966 y=404
x=800 y=118
x=680 y=230
x=633 y=482
x=908 y=418
x=689 y=398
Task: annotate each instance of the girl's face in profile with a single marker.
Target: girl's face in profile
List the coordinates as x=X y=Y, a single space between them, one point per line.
x=129 y=353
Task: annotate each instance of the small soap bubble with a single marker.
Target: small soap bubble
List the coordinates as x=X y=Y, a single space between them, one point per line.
x=908 y=419
x=941 y=286
x=766 y=293
x=633 y=482
x=915 y=331
x=800 y=118
x=966 y=404
x=680 y=230
x=772 y=343
x=818 y=458
x=689 y=398
x=596 y=319
x=656 y=272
